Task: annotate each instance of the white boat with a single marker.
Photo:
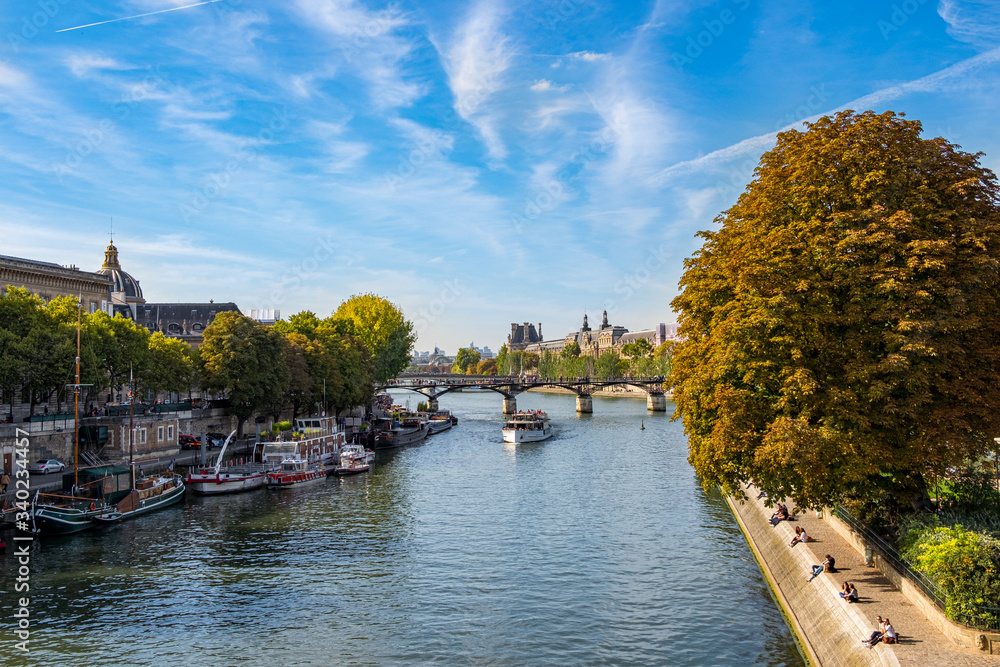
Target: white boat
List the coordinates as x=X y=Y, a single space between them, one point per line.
x=531 y=426
x=237 y=478
x=355 y=458
x=294 y=469
x=320 y=440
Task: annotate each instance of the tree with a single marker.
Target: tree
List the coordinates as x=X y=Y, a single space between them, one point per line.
x=841 y=324
x=503 y=360
x=548 y=364
x=119 y=345
x=466 y=358
x=383 y=329
x=571 y=350
x=608 y=365
x=487 y=367
x=247 y=361
x=301 y=383
x=169 y=365
x=530 y=360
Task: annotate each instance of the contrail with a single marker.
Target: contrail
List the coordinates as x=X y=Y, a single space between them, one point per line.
x=139 y=16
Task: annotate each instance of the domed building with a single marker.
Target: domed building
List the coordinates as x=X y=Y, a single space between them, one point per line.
x=126 y=295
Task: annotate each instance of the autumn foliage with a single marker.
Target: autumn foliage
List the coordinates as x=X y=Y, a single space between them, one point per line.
x=842 y=334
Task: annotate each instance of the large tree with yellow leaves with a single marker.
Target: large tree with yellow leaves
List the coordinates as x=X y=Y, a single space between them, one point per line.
x=842 y=329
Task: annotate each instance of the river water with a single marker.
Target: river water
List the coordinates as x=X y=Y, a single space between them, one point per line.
x=595 y=547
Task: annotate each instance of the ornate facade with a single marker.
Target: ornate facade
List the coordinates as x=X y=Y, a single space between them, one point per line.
x=592 y=342
x=48 y=281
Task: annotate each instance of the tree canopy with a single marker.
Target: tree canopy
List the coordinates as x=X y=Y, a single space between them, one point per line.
x=381 y=326
x=466 y=359
x=841 y=324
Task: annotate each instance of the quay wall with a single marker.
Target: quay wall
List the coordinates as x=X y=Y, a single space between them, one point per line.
x=958 y=634
x=827 y=629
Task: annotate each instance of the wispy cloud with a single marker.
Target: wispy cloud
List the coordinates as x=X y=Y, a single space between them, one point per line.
x=476 y=61
x=976 y=22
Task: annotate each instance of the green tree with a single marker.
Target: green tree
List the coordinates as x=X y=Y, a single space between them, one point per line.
x=245 y=360
x=840 y=324
x=304 y=323
x=503 y=360
x=571 y=350
x=119 y=345
x=466 y=358
x=548 y=364
x=169 y=365
x=301 y=384
x=383 y=329
x=608 y=365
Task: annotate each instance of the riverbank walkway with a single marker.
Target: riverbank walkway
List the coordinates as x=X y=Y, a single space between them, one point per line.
x=921 y=643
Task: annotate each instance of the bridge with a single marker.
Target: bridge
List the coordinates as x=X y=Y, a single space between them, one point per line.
x=433 y=386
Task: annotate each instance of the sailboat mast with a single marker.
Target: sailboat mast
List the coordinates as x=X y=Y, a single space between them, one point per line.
x=131 y=428
x=76 y=404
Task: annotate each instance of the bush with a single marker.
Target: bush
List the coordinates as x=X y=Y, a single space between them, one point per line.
x=283 y=426
x=421 y=407
x=965 y=564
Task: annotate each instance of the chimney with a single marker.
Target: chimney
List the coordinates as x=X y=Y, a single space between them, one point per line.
x=540 y=331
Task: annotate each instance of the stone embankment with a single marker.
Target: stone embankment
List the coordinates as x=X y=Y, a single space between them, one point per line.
x=829 y=629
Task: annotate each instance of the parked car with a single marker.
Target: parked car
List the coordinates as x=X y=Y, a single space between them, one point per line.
x=188 y=441
x=216 y=439
x=45 y=466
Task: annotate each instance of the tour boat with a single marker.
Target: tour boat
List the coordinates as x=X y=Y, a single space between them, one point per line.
x=411 y=431
x=439 y=421
x=294 y=469
x=532 y=426
x=235 y=478
x=355 y=458
x=148 y=494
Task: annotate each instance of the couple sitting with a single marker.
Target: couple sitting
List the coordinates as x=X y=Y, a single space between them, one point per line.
x=886 y=633
x=849 y=592
x=800 y=536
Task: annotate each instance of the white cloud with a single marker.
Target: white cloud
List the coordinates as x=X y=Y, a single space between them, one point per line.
x=976 y=22
x=475 y=63
x=10 y=77
x=590 y=56
x=544 y=84
x=82 y=64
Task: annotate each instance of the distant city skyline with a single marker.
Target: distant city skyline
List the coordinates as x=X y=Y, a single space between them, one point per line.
x=477 y=164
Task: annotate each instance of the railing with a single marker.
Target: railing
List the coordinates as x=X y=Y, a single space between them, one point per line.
x=980 y=617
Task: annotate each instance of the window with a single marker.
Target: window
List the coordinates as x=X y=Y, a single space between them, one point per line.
x=170 y=432
x=159 y=434
x=142 y=436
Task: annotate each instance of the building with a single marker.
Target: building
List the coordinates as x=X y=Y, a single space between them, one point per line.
x=484 y=352
x=186 y=321
x=48 y=281
x=592 y=342
x=125 y=291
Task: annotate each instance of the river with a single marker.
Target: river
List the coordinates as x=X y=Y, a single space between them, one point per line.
x=597 y=546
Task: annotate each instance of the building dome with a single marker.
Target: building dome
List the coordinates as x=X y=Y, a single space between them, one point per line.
x=121 y=282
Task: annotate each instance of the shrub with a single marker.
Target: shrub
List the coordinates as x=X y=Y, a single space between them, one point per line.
x=965 y=564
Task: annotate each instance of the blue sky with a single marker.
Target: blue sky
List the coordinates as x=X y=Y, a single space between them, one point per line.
x=477 y=163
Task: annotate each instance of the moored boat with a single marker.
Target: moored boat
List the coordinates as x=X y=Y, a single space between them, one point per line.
x=147 y=495
x=439 y=421
x=410 y=430
x=294 y=469
x=355 y=459
x=234 y=478
x=531 y=426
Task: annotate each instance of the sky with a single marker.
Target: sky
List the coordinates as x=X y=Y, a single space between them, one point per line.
x=475 y=163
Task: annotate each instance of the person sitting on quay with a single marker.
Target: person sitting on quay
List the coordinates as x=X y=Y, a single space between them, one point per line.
x=877 y=634
x=780 y=515
x=828 y=565
x=849 y=592
x=800 y=536
x=889 y=636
